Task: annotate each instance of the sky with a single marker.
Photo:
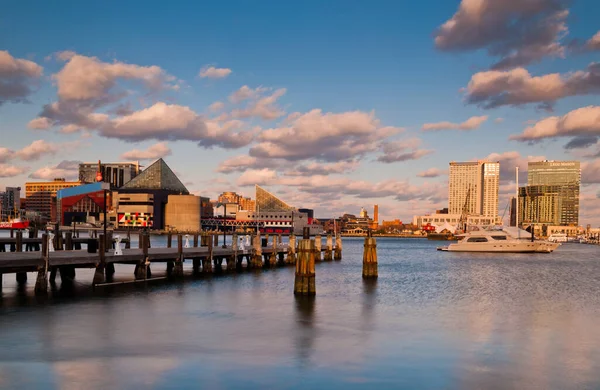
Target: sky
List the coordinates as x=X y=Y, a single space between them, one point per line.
x=331 y=105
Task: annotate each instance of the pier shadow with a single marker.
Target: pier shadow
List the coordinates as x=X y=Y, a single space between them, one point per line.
x=369 y=302
x=305 y=333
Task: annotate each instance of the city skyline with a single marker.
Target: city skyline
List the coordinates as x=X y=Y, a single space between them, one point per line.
x=314 y=112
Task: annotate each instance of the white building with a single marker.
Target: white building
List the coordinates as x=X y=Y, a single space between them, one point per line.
x=479 y=179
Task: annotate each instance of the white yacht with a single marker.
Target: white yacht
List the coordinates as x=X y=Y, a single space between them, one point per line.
x=505 y=240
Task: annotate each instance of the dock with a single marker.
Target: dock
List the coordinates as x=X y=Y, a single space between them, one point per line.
x=41 y=257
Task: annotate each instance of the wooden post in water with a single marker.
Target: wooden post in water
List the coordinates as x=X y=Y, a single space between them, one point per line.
x=207 y=264
x=291 y=253
x=140 y=238
x=41 y=283
x=216 y=238
x=329 y=248
x=318 y=247
x=178 y=270
x=196 y=240
x=304 y=283
x=141 y=270
x=256 y=259
x=232 y=260
x=169 y=240
x=21 y=276
x=338 y=248
x=370 y=257
x=69 y=241
x=101 y=266
x=273 y=255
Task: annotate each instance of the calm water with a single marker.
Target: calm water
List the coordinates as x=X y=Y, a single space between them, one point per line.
x=433 y=320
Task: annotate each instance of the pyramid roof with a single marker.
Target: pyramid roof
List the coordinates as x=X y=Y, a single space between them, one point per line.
x=266 y=201
x=158 y=176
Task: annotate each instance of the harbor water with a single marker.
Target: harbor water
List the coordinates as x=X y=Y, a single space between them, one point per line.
x=432 y=320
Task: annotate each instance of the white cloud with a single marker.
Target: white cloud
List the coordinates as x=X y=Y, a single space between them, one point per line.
x=11 y=170
x=264 y=108
x=590 y=172
x=519 y=32
x=319 y=168
x=323 y=136
x=245 y=93
x=517 y=87
x=594 y=42
x=18 y=78
x=153 y=152
x=432 y=172
x=403 y=150
x=470 y=124
x=68 y=169
x=6 y=154
x=37 y=149
x=165 y=122
x=216 y=106
x=214 y=73
x=583 y=121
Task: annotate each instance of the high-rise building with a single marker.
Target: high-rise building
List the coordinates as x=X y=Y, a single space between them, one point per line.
x=117 y=174
x=551 y=196
x=10 y=203
x=41 y=195
x=479 y=180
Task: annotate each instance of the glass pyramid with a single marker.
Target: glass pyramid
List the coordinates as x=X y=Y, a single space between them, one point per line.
x=265 y=201
x=158 y=176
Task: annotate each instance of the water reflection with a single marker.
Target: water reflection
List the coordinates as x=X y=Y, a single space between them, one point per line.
x=305 y=332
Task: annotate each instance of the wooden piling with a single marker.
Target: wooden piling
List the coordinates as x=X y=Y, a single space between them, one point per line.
x=41 y=283
x=338 y=248
x=141 y=271
x=178 y=270
x=207 y=264
x=216 y=238
x=329 y=248
x=318 y=247
x=100 y=267
x=68 y=241
x=195 y=240
x=232 y=260
x=370 y=258
x=21 y=276
x=291 y=252
x=304 y=283
x=273 y=255
x=256 y=259
x=169 y=240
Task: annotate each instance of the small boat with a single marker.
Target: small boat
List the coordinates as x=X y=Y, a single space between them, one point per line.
x=504 y=240
x=558 y=237
x=14 y=224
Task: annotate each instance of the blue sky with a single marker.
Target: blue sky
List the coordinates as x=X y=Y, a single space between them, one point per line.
x=380 y=59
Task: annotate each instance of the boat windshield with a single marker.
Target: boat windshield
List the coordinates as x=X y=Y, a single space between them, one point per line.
x=499 y=238
x=477 y=239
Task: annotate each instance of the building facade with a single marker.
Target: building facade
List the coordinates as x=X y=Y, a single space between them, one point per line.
x=41 y=197
x=10 y=203
x=183 y=213
x=116 y=174
x=244 y=203
x=551 y=196
x=480 y=180
x=84 y=203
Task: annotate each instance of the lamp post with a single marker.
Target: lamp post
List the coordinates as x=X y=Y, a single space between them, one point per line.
x=104 y=211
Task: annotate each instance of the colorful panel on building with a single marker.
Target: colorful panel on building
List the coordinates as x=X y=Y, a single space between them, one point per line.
x=135 y=220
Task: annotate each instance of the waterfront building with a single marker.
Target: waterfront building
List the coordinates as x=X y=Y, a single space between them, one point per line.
x=276 y=216
x=116 y=174
x=440 y=220
x=10 y=203
x=233 y=197
x=41 y=197
x=183 y=213
x=479 y=179
x=84 y=203
x=551 y=196
x=357 y=225
x=142 y=201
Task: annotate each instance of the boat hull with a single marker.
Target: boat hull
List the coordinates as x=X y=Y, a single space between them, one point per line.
x=505 y=247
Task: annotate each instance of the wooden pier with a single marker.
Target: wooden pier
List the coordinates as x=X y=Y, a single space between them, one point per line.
x=205 y=259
